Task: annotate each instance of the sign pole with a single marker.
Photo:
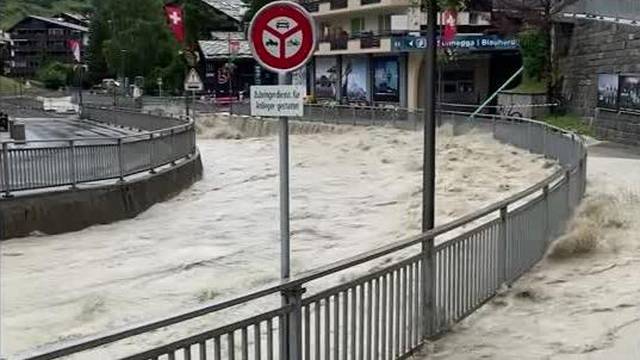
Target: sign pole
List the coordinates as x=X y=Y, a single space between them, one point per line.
x=429 y=171
x=285 y=248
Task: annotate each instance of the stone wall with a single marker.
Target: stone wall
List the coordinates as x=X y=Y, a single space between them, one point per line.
x=589 y=48
x=619 y=126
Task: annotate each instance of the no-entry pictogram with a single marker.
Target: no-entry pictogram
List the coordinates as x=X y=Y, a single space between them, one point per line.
x=282 y=36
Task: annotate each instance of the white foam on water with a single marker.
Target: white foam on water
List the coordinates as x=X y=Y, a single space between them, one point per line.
x=351 y=192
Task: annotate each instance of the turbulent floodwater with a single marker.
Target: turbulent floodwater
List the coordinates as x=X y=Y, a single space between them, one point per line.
x=351 y=192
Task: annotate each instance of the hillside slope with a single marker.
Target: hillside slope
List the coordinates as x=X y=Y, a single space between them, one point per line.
x=12 y=11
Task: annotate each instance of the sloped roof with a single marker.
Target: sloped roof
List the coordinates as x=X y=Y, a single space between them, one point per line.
x=226 y=35
x=219 y=49
x=235 y=9
x=53 y=21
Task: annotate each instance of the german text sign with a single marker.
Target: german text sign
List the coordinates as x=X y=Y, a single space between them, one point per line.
x=277 y=100
x=282 y=36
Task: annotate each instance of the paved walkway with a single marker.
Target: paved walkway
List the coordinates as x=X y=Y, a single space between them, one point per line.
x=578 y=308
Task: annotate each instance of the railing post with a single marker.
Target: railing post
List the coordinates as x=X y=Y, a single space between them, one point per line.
x=291 y=345
x=120 y=161
x=173 y=147
x=151 y=167
x=429 y=326
x=547 y=220
x=72 y=164
x=6 y=168
x=502 y=246
x=569 y=200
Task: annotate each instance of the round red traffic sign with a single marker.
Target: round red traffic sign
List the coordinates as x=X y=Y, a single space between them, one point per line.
x=282 y=36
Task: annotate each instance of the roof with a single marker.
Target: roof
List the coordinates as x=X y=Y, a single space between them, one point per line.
x=226 y=35
x=219 y=49
x=53 y=21
x=235 y=9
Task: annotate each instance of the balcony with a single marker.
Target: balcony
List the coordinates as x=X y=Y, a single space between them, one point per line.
x=338 y=4
x=349 y=7
x=362 y=43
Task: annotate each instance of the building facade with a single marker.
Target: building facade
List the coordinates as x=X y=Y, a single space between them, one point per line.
x=371 y=52
x=38 y=40
x=6 y=53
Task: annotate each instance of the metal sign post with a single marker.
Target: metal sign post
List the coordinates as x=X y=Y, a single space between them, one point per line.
x=282 y=39
x=192 y=83
x=282 y=36
x=429 y=171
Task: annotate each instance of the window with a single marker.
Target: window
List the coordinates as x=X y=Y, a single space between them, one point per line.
x=357 y=26
x=56 y=32
x=384 y=23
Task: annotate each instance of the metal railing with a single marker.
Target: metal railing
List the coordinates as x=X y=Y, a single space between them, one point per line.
x=445 y=274
x=68 y=162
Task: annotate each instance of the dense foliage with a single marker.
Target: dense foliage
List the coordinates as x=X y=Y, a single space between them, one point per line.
x=55 y=75
x=535 y=51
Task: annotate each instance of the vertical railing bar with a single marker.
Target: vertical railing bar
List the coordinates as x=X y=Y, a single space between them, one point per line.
x=257 y=341
x=307 y=331
x=336 y=328
x=316 y=308
x=231 y=348
x=380 y=342
x=327 y=328
x=202 y=350
x=244 y=344
x=361 y=328
x=269 y=339
x=217 y=348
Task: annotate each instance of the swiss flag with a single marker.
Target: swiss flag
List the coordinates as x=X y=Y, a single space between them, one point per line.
x=175 y=18
x=74 y=46
x=450 y=29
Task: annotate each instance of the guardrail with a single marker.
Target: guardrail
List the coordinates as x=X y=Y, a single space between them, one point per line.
x=53 y=163
x=387 y=313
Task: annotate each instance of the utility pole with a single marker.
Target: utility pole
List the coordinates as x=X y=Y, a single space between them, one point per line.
x=429 y=327
x=429 y=169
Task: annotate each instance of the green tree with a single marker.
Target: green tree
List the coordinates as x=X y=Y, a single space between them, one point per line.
x=253 y=7
x=55 y=75
x=201 y=19
x=131 y=38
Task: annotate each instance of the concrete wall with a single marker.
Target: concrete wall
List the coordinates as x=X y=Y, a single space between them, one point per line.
x=589 y=48
x=64 y=211
x=132 y=119
x=621 y=127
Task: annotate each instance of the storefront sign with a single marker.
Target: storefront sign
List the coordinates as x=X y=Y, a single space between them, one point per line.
x=277 y=100
x=462 y=42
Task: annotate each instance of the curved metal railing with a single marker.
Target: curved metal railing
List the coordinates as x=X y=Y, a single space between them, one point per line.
x=388 y=312
x=51 y=163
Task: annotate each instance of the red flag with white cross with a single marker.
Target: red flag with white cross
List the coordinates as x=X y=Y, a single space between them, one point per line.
x=450 y=28
x=175 y=18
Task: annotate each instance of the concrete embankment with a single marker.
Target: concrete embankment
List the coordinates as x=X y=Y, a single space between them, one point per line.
x=66 y=210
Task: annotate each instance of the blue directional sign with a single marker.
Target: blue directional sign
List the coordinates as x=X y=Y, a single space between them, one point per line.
x=462 y=42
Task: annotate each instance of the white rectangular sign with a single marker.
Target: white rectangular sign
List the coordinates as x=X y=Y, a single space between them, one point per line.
x=277 y=100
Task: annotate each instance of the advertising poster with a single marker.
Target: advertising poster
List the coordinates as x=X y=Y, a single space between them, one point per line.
x=354 y=79
x=386 y=81
x=326 y=77
x=608 y=91
x=630 y=92
x=299 y=77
